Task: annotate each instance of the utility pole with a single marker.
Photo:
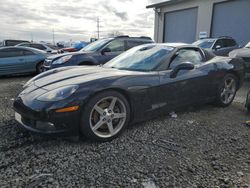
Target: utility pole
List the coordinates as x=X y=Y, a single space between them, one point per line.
x=53 y=37
x=31 y=36
x=98 y=26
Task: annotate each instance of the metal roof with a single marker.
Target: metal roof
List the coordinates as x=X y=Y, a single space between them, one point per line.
x=165 y=3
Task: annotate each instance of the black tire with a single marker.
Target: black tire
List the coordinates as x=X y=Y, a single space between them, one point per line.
x=220 y=100
x=248 y=107
x=39 y=68
x=86 y=117
x=248 y=101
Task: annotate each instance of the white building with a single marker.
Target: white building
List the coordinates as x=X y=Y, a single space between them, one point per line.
x=187 y=20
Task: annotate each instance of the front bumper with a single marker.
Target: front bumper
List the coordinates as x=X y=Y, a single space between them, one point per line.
x=47 y=122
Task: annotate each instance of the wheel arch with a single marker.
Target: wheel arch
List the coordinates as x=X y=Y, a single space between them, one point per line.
x=119 y=90
x=237 y=75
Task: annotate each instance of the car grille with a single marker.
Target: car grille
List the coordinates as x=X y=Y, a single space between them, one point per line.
x=47 y=62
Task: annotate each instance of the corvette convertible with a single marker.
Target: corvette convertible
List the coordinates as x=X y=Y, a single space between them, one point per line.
x=144 y=82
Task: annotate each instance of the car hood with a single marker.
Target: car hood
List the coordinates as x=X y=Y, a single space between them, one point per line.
x=77 y=75
x=243 y=52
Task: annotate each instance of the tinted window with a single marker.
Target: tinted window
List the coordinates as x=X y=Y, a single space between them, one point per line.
x=11 y=52
x=220 y=43
x=37 y=46
x=230 y=43
x=13 y=42
x=26 y=45
x=27 y=52
x=186 y=55
x=116 y=46
x=133 y=43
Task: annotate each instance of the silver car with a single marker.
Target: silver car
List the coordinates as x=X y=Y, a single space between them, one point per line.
x=220 y=46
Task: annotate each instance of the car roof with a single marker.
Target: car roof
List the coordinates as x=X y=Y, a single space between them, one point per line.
x=216 y=38
x=24 y=48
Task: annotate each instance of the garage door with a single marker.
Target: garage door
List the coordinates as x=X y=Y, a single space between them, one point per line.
x=232 y=19
x=180 y=26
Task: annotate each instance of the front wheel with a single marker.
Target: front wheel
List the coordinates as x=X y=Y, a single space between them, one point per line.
x=105 y=116
x=227 y=90
x=39 y=68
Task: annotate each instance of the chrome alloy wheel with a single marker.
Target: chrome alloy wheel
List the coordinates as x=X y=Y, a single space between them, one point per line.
x=107 y=117
x=228 y=90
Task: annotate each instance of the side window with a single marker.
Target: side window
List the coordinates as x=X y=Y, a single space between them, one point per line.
x=27 y=52
x=38 y=46
x=230 y=43
x=220 y=42
x=133 y=43
x=116 y=46
x=186 y=55
x=26 y=45
x=11 y=52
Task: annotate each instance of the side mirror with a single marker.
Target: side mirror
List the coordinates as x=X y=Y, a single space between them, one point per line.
x=105 y=50
x=182 y=66
x=217 y=47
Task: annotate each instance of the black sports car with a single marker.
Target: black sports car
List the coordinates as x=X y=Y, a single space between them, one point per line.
x=148 y=80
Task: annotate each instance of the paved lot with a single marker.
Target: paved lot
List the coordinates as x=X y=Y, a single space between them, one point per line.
x=203 y=147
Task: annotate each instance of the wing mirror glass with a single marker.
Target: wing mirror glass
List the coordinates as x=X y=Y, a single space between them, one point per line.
x=182 y=66
x=105 y=50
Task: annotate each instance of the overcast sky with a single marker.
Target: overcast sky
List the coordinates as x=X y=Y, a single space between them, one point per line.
x=74 y=19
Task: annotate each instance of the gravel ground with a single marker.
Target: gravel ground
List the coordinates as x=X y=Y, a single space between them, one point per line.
x=203 y=147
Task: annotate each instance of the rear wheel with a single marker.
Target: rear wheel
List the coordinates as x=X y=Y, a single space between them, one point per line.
x=227 y=90
x=105 y=116
x=39 y=68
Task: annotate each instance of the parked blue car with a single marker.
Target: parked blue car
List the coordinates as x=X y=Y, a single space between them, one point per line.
x=15 y=60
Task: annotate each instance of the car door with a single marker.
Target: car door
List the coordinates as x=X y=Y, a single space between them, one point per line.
x=189 y=86
x=11 y=61
x=112 y=49
x=230 y=45
x=31 y=59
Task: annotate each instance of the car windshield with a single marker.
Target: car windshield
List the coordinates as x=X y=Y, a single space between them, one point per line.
x=248 y=45
x=205 y=43
x=96 y=45
x=141 y=58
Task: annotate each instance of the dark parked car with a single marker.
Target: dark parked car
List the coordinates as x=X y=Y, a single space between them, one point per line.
x=15 y=60
x=98 y=52
x=148 y=80
x=243 y=53
x=12 y=42
x=219 y=46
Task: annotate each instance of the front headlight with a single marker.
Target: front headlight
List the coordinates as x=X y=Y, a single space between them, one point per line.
x=62 y=60
x=58 y=94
